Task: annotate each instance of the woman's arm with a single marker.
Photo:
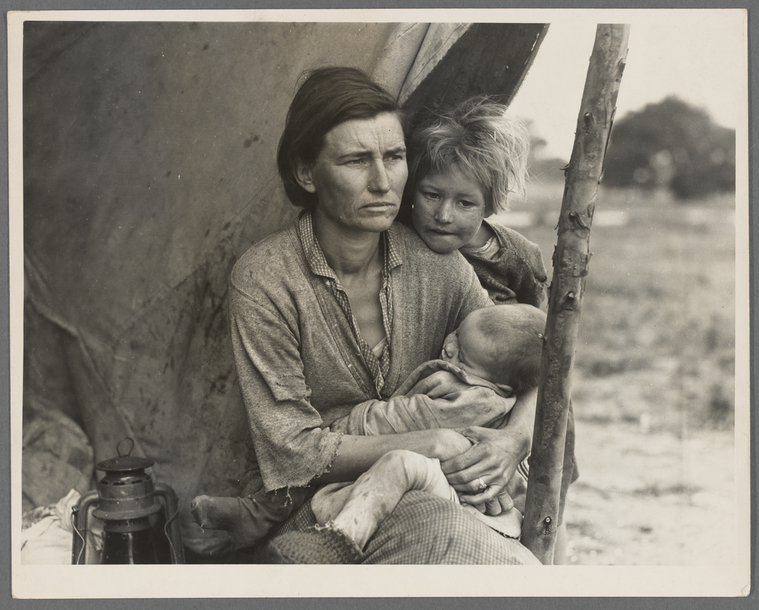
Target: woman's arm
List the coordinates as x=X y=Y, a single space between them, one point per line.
x=291 y=447
x=494 y=454
x=358 y=453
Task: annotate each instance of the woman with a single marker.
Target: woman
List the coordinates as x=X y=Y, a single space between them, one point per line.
x=340 y=308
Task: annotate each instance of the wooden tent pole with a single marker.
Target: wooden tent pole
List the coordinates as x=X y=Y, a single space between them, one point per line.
x=570 y=266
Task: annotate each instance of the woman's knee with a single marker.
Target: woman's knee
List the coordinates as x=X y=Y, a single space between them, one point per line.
x=425 y=529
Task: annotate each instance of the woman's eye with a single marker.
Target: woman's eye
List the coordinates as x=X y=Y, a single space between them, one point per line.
x=355 y=162
x=396 y=157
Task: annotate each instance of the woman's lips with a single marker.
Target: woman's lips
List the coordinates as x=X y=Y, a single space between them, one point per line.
x=383 y=205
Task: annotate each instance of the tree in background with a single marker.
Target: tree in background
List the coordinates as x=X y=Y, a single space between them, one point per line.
x=674 y=145
x=543 y=168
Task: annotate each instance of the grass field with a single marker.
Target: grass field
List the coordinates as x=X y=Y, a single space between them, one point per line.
x=653 y=382
x=658 y=320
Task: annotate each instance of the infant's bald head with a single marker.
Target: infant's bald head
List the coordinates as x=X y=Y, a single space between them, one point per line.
x=502 y=344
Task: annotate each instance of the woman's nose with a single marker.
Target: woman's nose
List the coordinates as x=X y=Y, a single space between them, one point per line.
x=379 y=181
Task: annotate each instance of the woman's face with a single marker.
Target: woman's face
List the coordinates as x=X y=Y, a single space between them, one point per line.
x=359 y=174
x=448 y=210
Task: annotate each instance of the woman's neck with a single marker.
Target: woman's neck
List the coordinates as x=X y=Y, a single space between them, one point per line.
x=347 y=253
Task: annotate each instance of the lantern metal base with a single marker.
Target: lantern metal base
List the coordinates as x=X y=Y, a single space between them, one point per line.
x=130 y=538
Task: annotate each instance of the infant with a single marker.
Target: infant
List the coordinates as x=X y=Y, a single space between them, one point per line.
x=497 y=349
x=501 y=344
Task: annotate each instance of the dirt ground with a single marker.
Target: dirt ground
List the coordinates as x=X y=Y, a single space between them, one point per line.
x=654 y=378
x=650 y=498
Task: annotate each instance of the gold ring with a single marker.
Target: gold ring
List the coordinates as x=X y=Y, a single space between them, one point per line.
x=481 y=483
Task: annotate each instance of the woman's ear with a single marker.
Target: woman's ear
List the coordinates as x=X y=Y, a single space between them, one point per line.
x=304 y=176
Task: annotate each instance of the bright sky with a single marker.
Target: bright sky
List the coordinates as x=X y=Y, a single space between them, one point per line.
x=698 y=55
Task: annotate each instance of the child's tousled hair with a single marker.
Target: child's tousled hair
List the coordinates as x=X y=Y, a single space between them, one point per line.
x=482 y=141
x=520 y=329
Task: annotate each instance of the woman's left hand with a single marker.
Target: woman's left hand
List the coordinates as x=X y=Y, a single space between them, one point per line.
x=492 y=460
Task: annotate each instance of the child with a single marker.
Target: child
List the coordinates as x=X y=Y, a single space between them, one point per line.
x=496 y=349
x=462 y=166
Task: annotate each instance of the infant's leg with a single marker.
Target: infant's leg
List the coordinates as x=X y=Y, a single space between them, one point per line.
x=329 y=501
x=425 y=474
x=376 y=492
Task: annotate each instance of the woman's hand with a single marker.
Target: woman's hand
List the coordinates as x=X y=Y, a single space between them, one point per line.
x=492 y=459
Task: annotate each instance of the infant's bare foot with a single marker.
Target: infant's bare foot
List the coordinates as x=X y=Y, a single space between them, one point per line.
x=329 y=501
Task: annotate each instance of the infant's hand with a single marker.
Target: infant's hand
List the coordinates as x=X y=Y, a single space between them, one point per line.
x=438 y=385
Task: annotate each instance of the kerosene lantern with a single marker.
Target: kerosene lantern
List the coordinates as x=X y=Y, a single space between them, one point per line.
x=139 y=518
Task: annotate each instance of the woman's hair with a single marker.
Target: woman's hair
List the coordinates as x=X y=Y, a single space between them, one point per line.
x=515 y=333
x=480 y=140
x=328 y=97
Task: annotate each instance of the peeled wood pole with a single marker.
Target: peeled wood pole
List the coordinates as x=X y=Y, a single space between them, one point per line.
x=570 y=266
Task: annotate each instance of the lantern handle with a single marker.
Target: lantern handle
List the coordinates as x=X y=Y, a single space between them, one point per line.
x=131 y=447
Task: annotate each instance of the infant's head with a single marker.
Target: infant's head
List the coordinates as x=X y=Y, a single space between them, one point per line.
x=501 y=344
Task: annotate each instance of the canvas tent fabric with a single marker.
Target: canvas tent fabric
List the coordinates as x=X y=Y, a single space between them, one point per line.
x=149 y=168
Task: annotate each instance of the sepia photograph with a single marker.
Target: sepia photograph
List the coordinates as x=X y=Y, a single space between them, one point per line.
x=450 y=289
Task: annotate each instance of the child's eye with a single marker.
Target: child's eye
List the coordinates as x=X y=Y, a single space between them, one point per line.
x=466 y=204
x=431 y=196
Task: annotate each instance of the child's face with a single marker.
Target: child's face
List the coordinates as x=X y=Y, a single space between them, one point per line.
x=468 y=348
x=448 y=210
